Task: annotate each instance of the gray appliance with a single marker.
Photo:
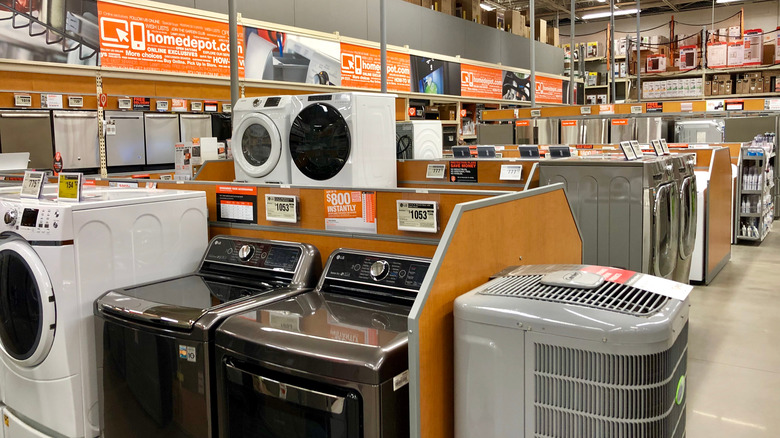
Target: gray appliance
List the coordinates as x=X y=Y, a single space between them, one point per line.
x=627 y=211
x=683 y=168
x=331 y=362
x=537 y=131
x=125 y=147
x=195 y=126
x=76 y=139
x=745 y=129
x=622 y=129
x=570 y=351
x=28 y=131
x=651 y=128
x=162 y=134
x=594 y=131
x=570 y=131
x=156 y=340
x=502 y=134
x=698 y=131
x=525 y=131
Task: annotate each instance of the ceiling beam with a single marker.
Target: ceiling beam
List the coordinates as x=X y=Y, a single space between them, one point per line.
x=673 y=7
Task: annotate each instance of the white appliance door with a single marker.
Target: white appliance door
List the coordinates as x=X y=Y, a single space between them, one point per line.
x=27 y=308
x=257 y=145
x=688 y=212
x=162 y=134
x=665 y=238
x=76 y=139
x=126 y=146
x=195 y=126
x=320 y=142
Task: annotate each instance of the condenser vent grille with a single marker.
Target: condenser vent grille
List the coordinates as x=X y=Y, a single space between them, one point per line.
x=609 y=296
x=580 y=393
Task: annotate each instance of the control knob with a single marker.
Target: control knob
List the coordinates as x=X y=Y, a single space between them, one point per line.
x=246 y=252
x=379 y=270
x=10 y=217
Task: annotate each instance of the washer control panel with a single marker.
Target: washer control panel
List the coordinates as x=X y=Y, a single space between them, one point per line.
x=30 y=220
x=253 y=253
x=393 y=271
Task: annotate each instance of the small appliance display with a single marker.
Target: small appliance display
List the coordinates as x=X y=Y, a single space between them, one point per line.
x=545 y=349
x=157 y=338
x=328 y=363
x=343 y=140
x=56 y=258
x=419 y=140
x=261 y=139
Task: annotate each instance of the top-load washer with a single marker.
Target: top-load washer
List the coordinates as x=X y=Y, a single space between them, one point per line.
x=260 y=142
x=328 y=363
x=56 y=258
x=627 y=211
x=343 y=140
x=157 y=338
x=419 y=140
x=683 y=166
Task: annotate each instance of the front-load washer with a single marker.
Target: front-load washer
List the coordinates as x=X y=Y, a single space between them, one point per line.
x=419 y=140
x=343 y=140
x=683 y=168
x=261 y=152
x=157 y=338
x=328 y=363
x=627 y=211
x=56 y=258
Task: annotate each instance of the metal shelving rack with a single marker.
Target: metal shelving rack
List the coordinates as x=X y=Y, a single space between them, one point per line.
x=756 y=193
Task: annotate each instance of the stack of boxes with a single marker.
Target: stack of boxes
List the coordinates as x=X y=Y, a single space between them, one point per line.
x=673 y=88
x=720 y=85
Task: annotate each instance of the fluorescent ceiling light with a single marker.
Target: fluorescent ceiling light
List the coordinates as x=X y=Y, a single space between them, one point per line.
x=607 y=13
x=486 y=7
x=726 y=1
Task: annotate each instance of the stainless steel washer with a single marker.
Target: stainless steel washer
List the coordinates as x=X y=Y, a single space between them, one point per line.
x=683 y=168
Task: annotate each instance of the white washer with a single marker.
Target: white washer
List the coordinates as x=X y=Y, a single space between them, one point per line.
x=260 y=139
x=63 y=256
x=343 y=140
x=419 y=140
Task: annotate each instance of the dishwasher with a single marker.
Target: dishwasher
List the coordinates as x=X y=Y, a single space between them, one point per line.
x=76 y=139
x=125 y=147
x=162 y=134
x=195 y=126
x=28 y=131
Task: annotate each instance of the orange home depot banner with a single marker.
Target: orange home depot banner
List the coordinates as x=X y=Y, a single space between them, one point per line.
x=140 y=39
x=361 y=67
x=549 y=90
x=480 y=82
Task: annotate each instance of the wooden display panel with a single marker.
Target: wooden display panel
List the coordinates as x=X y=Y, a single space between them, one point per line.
x=534 y=227
x=719 y=213
x=221 y=171
x=412 y=174
x=36 y=83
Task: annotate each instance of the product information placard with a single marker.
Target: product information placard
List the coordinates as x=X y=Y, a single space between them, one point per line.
x=480 y=82
x=182 y=161
x=69 y=185
x=511 y=172
x=417 y=216
x=237 y=204
x=32 y=184
x=361 y=67
x=463 y=171
x=51 y=101
x=142 y=104
x=281 y=208
x=350 y=211
x=654 y=107
x=436 y=171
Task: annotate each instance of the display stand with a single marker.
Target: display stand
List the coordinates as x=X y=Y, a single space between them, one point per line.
x=755 y=200
x=414 y=173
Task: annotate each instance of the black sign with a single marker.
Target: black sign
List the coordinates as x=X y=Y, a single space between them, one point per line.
x=463 y=171
x=654 y=107
x=142 y=103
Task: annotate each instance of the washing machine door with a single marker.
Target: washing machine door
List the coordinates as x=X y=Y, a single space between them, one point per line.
x=259 y=143
x=687 y=217
x=665 y=231
x=27 y=309
x=320 y=141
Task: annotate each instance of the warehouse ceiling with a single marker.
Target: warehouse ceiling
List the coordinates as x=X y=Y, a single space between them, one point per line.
x=552 y=9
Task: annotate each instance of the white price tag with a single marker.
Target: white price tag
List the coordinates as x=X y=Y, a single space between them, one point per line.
x=535 y=113
x=436 y=171
x=281 y=208
x=585 y=110
x=32 y=186
x=75 y=101
x=511 y=172
x=417 y=216
x=636 y=109
x=24 y=100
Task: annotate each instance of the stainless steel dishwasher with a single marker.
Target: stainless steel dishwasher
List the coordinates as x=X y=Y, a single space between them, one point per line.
x=125 y=147
x=28 y=131
x=195 y=126
x=76 y=139
x=162 y=134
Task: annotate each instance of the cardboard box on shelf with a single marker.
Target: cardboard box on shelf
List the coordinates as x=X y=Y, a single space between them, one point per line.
x=721 y=77
x=753 y=47
x=445 y=6
x=708 y=88
x=540 y=31
x=427 y=4
x=689 y=57
x=470 y=10
x=689 y=40
x=715 y=91
x=736 y=54
x=490 y=18
x=717 y=55
x=726 y=88
x=735 y=33
x=416 y=2
x=516 y=22
x=602 y=99
x=592 y=50
x=656 y=64
x=759 y=85
x=740 y=86
x=768 y=54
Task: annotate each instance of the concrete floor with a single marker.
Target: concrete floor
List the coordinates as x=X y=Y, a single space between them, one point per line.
x=734 y=347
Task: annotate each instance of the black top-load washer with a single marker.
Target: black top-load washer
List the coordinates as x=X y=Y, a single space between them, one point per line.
x=155 y=361
x=328 y=363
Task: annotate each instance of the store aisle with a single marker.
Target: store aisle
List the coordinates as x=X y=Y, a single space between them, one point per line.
x=734 y=347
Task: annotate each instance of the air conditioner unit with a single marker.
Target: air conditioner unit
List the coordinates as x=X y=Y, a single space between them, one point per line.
x=560 y=351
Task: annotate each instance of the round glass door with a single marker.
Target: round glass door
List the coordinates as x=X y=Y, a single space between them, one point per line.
x=665 y=231
x=320 y=141
x=688 y=214
x=260 y=145
x=27 y=309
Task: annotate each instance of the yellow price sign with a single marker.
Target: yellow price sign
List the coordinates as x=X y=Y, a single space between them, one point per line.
x=69 y=186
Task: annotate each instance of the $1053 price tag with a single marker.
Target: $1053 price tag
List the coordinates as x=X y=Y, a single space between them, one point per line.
x=281 y=208
x=69 y=185
x=420 y=216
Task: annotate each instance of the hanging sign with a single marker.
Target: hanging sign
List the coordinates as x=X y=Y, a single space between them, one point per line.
x=480 y=82
x=361 y=67
x=281 y=208
x=32 y=184
x=69 y=185
x=417 y=216
x=350 y=211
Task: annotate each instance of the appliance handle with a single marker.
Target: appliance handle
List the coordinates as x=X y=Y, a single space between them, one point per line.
x=185 y=116
x=161 y=116
x=76 y=116
x=25 y=116
x=290 y=393
x=124 y=118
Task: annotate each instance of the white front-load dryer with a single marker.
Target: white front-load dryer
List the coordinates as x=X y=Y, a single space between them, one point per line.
x=343 y=140
x=419 y=139
x=259 y=142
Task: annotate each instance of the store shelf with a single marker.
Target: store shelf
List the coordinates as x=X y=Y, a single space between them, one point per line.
x=750 y=214
x=588 y=87
x=449 y=122
x=752 y=192
x=469 y=137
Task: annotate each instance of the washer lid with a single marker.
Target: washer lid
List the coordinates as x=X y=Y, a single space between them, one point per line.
x=27 y=309
x=320 y=141
x=259 y=145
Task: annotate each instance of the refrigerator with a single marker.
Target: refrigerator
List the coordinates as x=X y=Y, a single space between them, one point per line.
x=162 y=134
x=28 y=131
x=194 y=126
x=126 y=146
x=76 y=139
